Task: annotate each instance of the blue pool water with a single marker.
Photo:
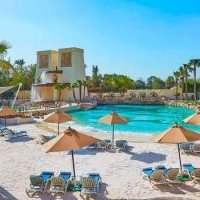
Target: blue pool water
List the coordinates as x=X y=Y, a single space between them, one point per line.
x=142 y=119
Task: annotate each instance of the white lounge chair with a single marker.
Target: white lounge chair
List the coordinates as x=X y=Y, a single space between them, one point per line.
x=157 y=178
x=172 y=174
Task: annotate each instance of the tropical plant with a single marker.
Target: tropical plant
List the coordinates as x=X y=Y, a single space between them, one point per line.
x=79 y=84
x=96 y=77
x=194 y=64
x=170 y=82
x=182 y=79
x=186 y=67
x=85 y=85
x=60 y=87
x=5 y=65
x=176 y=76
x=20 y=63
x=74 y=86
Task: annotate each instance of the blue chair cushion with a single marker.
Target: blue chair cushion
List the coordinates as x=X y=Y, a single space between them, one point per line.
x=65 y=175
x=46 y=175
x=189 y=167
x=148 y=171
x=95 y=176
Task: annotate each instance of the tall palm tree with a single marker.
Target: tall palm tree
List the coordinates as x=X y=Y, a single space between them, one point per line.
x=85 y=85
x=20 y=63
x=74 y=86
x=79 y=83
x=194 y=64
x=186 y=68
x=176 y=76
x=182 y=78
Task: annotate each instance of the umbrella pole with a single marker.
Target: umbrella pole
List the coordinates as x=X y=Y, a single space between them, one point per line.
x=73 y=164
x=113 y=134
x=5 y=123
x=58 y=128
x=179 y=155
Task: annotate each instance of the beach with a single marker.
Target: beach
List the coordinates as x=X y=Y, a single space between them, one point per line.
x=121 y=172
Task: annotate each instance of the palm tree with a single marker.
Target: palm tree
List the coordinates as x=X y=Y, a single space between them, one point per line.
x=182 y=78
x=186 y=67
x=4 y=46
x=176 y=76
x=194 y=63
x=79 y=83
x=85 y=85
x=74 y=86
x=60 y=87
x=4 y=64
x=20 y=63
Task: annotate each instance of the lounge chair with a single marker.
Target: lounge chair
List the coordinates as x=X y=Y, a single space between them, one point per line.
x=97 y=178
x=196 y=148
x=46 y=176
x=89 y=186
x=157 y=178
x=187 y=147
x=9 y=134
x=188 y=167
x=3 y=131
x=36 y=186
x=66 y=176
x=196 y=175
x=122 y=144
x=57 y=186
x=172 y=174
x=101 y=146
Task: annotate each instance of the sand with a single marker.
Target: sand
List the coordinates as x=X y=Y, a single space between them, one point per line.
x=121 y=172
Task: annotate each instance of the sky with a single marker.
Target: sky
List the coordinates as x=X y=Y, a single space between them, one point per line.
x=138 y=38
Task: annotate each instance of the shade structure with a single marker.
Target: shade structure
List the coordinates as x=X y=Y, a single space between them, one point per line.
x=69 y=140
x=177 y=135
x=195 y=119
x=112 y=119
x=7 y=112
x=58 y=117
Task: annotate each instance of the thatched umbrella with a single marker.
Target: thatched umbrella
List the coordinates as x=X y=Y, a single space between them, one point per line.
x=7 y=112
x=58 y=117
x=177 y=135
x=70 y=140
x=112 y=119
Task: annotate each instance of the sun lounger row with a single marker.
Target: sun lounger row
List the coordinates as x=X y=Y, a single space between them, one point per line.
x=163 y=175
x=190 y=147
x=107 y=145
x=53 y=185
x=8 y=133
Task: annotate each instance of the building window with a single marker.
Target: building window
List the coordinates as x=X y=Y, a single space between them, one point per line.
x=66 y=59
x=44 y=61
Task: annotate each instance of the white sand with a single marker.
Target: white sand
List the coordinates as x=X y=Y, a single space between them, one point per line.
x=121 y=172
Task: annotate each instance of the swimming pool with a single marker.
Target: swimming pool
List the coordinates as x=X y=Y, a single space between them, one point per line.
x=142 y=119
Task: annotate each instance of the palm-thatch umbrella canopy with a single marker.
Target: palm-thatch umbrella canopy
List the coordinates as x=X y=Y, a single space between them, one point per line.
x=69 y=140
x=177 y=135
x=58 y=117
x=7 y=112
x=195 y=119
x=112 y=119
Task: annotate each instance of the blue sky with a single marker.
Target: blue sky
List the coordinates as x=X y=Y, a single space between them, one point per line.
x=134 y=37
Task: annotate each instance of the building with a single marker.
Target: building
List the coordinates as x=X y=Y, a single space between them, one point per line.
x=64 y=66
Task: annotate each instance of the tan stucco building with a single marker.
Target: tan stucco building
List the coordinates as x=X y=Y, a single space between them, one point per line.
x=62 y=66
